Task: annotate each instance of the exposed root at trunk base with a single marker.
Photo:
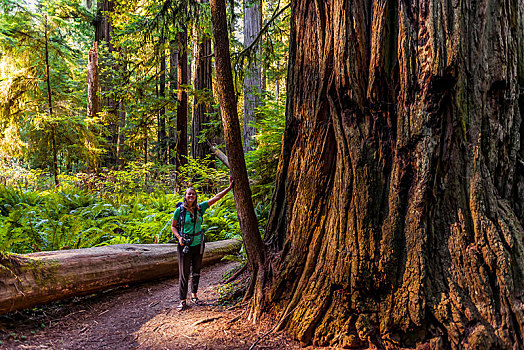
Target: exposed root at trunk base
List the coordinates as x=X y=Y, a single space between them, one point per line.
x=236 y=274
x=257 y=301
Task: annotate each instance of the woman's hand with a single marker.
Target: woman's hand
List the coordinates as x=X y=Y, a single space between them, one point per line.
x=180 y=240
x=222 y=194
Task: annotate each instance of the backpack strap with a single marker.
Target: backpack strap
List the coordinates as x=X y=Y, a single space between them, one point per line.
x=199 y=209
x=181 y=217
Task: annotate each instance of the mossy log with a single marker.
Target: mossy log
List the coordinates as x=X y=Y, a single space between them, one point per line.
x=38 y=278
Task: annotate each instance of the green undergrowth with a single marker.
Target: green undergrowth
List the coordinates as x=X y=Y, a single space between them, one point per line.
x=70 y=218
x=232 y=292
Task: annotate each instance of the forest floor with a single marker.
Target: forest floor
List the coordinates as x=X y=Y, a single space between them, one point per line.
x=142 y=317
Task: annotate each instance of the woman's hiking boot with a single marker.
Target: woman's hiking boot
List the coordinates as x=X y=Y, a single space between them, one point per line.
x=197 y=301
x=181 y=306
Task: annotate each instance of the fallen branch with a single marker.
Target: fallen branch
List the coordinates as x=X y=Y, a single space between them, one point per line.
x=236 y=274
x=206 y=320
x=271 y=330
x=234 y=319
x=218 y=153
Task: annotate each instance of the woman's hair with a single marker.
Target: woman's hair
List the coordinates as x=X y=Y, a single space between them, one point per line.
x=186 y=205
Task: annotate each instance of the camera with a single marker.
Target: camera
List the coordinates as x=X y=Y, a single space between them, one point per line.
x=186 y=240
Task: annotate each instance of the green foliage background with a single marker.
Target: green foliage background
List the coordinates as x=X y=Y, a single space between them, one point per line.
x=116 y=212
x=130 y=202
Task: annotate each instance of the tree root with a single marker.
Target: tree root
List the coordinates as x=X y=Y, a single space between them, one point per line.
x=236 y=274
x=271 y=330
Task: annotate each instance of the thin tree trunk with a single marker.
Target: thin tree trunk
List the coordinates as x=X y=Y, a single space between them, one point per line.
x=181 y=122
x=243 y=201
x=277 y=86
x=173 y=81
x=121 y=133
x=104 y=33
x=52 y=123
x=202 y=85
x=162 y=136
x=252 y=74
x=92 y=82
x=145 y=145
x=395 y=217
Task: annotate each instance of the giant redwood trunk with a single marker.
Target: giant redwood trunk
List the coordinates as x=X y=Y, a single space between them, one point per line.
x=173 y=82
x=162 y=133
x=397 y=216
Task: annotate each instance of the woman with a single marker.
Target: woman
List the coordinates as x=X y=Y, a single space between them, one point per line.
x=190 y=226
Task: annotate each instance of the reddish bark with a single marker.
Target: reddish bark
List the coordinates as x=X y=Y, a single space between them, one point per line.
x=397 y=216
x=243 y=202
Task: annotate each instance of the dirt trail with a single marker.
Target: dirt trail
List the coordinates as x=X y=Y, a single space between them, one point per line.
x=140 y=317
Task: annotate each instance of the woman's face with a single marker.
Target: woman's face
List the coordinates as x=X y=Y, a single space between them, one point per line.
x=190 y=196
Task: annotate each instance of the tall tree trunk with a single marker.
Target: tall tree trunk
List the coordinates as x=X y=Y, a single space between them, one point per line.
x=121 y=133
x=92 y=81
x=277 y=85
x=104 y=33
x=252 y=75
x=173 y=81
x=49 y=100
x=103 y=27
x=181 y=120
x=146 y=146
x=202 y=84
x=162 y=135
x=243 y=202
x=397 y=215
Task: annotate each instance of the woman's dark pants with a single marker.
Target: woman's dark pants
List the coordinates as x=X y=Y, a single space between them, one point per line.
x=185 y=261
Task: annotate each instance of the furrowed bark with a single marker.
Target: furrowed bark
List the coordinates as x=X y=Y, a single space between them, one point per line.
x=162 y=133
x=397 y=216
x=37 y=278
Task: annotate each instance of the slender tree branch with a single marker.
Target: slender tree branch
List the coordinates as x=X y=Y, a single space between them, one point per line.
x=260 y=33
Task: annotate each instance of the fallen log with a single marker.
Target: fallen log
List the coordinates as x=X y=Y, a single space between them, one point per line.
x=32 y=279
